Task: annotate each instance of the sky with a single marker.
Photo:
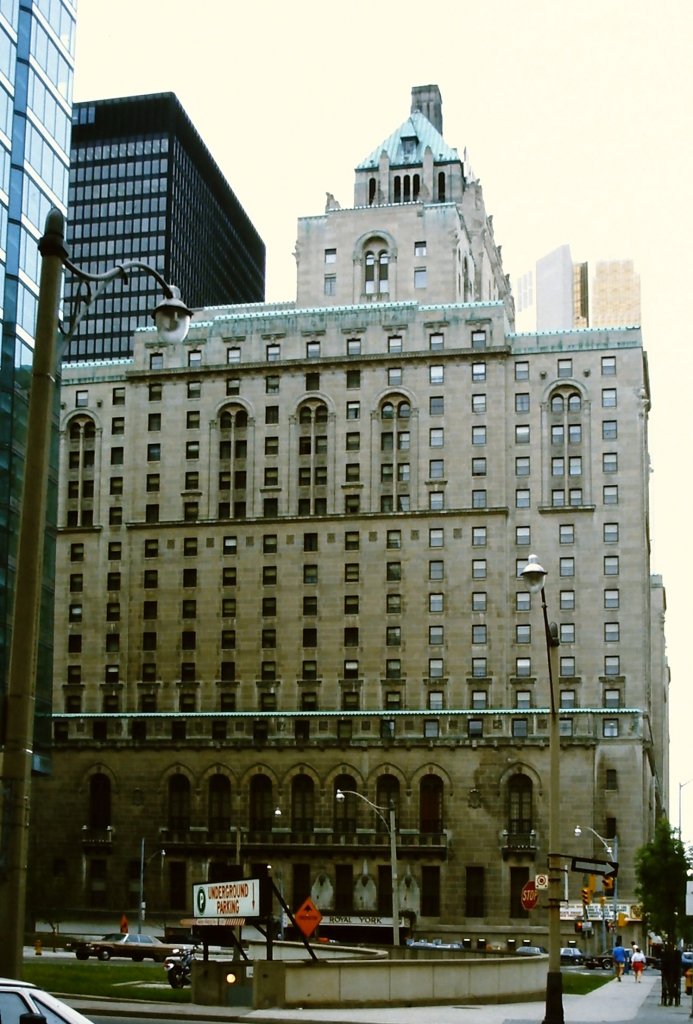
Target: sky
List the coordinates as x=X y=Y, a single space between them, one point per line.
x=576 y=119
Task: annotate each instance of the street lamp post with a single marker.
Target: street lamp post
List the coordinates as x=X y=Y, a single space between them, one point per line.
x=172 y=319
x=682 y=786
x=611 y=848
x=534 y=576
x=143 y=864
x=341 y=795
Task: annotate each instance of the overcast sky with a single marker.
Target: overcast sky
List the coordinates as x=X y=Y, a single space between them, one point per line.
x=576 y=118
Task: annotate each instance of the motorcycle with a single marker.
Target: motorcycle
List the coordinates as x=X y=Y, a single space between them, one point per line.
x=178 y=968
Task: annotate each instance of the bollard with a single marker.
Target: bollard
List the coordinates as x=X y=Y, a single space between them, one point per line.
x=38 y=951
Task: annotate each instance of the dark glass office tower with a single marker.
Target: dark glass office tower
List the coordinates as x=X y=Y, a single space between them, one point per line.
x=143 y=186
x=36 y=67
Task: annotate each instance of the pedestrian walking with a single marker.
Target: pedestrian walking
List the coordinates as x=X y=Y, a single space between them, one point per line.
x=619 y=955
x=638 y=961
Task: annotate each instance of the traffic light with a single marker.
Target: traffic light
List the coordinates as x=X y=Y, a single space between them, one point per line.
x=608 y=886
x=586 y=894
x=578 y=926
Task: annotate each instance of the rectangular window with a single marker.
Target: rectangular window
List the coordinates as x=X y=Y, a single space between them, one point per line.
x=478 y=403
x=609 y=398
x=353 y=410
x=479 y=569
x=522 y=370
x=478 y=372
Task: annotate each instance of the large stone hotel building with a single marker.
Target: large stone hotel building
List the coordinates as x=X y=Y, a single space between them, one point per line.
x=289 y=563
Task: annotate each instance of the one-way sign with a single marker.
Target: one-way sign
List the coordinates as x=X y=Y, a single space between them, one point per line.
x=607 y=868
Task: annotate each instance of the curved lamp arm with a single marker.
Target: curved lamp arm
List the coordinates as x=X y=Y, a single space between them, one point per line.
x=172 y=316
x=341 y=794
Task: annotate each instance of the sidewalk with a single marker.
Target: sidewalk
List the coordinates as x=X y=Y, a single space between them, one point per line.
x=613 y=1003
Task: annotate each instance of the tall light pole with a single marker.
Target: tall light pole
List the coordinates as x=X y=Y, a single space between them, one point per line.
x=143 y=864
x=534 y=576
x=172 y=319
x=682 y=786
x=611 y=847
x=341 y=795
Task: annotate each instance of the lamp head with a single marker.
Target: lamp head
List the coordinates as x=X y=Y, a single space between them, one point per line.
x=534 y=575
x=339 y=796
x=172 y=318
x=578 y=831
x=277 y=812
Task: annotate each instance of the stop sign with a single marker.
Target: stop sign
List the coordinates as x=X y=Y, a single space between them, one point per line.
x=528 y=896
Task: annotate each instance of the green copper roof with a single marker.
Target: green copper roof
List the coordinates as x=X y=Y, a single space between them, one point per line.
x=406 y=146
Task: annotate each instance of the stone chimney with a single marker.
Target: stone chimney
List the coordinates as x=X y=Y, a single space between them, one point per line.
x=427 y=100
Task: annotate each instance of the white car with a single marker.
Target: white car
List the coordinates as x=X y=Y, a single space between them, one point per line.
x=19 y=997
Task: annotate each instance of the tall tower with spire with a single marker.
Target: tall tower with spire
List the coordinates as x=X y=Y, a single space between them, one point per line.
x=417 y=231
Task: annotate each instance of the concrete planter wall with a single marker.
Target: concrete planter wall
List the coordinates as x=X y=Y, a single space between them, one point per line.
x=398 y=982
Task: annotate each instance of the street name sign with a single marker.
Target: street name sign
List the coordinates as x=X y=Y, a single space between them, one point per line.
x=227 y=899
x=607 y=868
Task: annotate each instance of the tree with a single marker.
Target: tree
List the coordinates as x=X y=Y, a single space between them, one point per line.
x=661 y=869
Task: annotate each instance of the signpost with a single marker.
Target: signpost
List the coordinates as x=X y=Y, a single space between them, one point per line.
x=308 y=917
x=529 y=895
x=215 y=901
x=607 y=868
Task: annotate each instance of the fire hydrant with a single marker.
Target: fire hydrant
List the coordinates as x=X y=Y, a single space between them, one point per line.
x=38 y=951
x=688 y=977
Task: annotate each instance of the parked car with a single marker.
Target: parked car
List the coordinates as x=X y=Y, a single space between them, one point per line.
x=572 y=955
x=136 y=947
x=530 y=951
x=432 y=944
x=686 y=959
x=595 y=961
x=20 y=997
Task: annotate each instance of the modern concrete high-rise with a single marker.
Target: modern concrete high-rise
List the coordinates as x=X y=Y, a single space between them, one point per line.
x=290 y=552
x=143 y=186
x=36 y=66
x=558 y=295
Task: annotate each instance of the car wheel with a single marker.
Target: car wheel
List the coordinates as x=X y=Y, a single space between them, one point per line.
x=138 y=957
x=103 y=954
x=81 y=954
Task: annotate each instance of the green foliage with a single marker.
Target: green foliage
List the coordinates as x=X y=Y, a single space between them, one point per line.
x=661 y=870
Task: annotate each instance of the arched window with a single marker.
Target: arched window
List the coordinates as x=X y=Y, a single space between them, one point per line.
x=416 y=180
x=404 y=410
x=386 y=795
x=372 y=191
x=557 y=403
x=313 y=463
x=178 y=803
x=574 y=402
x=388 y=411
x=397 y=189
x=99 y=801
x=233 y=461
x=79 y=475
x=346 y=810
x=302 y=804
x=219 y=804
x=441 y=186
x=519 y=805
x=407 y=188
x=261 y=804
x=376 y=272
x=431 y=804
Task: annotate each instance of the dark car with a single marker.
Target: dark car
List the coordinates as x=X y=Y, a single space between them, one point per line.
x=572 y=955
x=530 y=951
x=599 y=960
x=136 y=947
